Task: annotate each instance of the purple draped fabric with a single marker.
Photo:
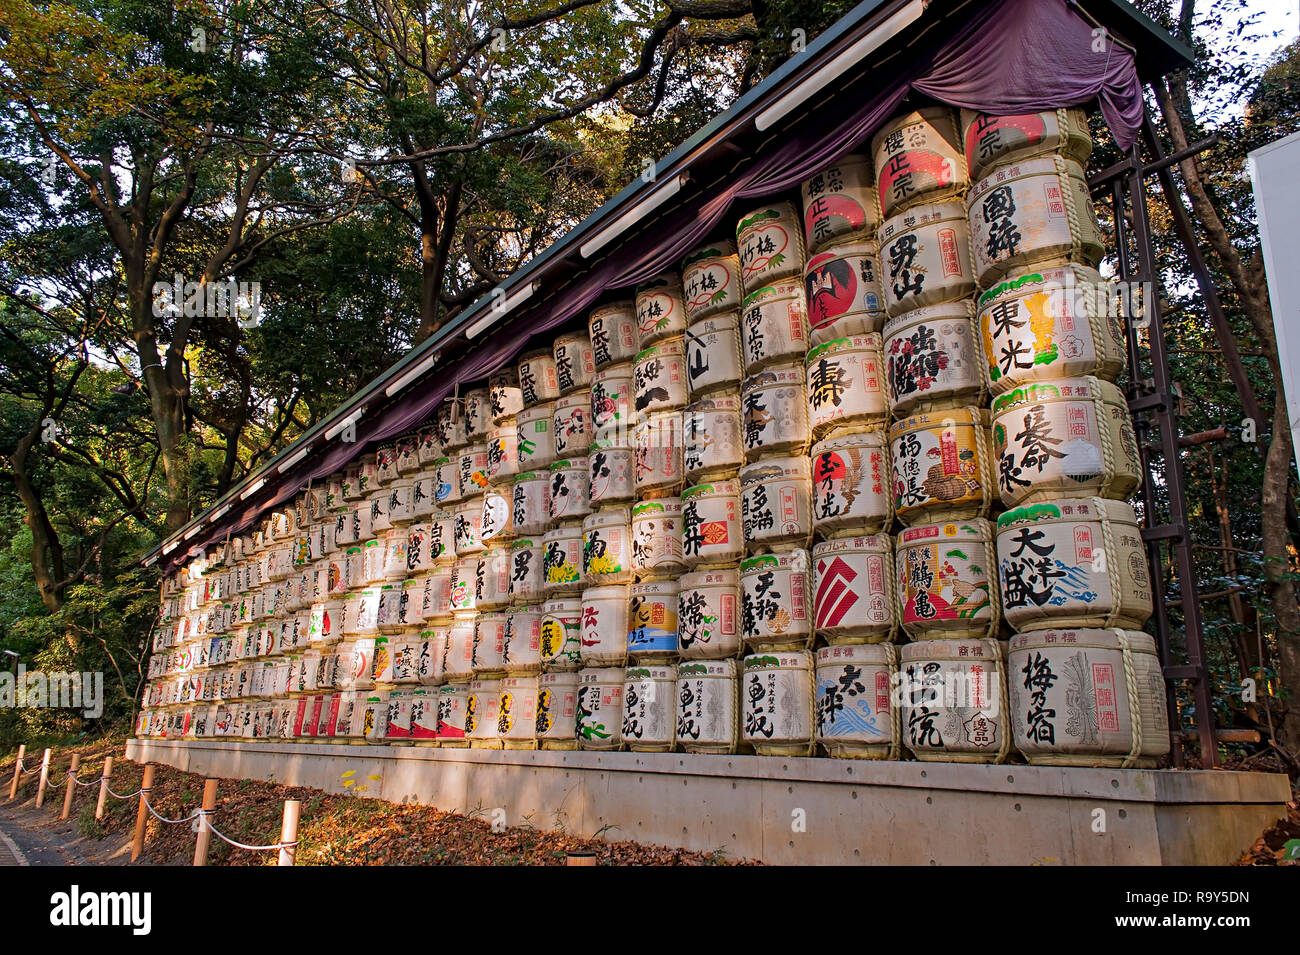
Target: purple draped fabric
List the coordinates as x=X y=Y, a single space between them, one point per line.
x=1007 y=56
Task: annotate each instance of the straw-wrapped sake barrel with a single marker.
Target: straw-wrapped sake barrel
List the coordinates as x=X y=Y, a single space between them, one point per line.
x=659 y=377
x=946 y=583
x=605 y=625
x=482 y=715
x=575 y=361
x=991 y=141
x=775 y=611
x=918 y=158
x=652 y=621
x=505 y=398
x=776 y=502
x=572 y=425
x=650 y=708
x=712 y=444
x=562 y=559
x=1067 y=438
x=840 y=201
x=774 y=412
x=656 y=542
x=611 y=472
x=713 y=357
x=569 y=494
x=1053 y=322
x=538 y=381
x=711 y=532
x=657 y=448
x=708 y=619
x=843 y=292
x=933 y=359
x=660 y=312
x=598 y=720
x=561 y=634
x=711 y=281
x=855 y=712
x=941 y=465
x=925 y=257
x=534 y=442
x=476 y=415
x=1073 y=562
x=853 y=589
x=613 y=407
x=458 y=658
x=517 y=712
x=521 y=653
x=708 y=706
x=612 y=330
x=557 y=703
x=530 y=503
x=1034 y=212
x=850 y=484
x=453 y=702
x=846 y=384
x=954 y=701
x=607 y=547
x=773 y=325
x=527 y=570
x=777 y=695
x=1088 y=698
x=770 y=244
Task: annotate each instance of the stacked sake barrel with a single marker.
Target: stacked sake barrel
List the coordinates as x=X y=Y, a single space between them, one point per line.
x=1086 y=685
x=852 y=603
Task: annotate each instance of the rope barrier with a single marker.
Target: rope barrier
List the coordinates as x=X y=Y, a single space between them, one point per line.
x=93 y=782
x=127 y=796
x=239 y=845
x=174 y=822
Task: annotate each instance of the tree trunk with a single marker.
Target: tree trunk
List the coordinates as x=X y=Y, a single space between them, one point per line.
x=47 y=551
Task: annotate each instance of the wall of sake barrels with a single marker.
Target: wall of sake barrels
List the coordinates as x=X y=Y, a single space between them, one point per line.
x=850 y=482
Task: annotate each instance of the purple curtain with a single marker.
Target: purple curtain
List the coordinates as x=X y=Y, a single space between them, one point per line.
x=1007 y=56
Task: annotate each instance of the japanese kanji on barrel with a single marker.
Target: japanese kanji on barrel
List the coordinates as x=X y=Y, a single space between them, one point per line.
x=711 y=281
x=946 y=583
x=613 y=333
x=855 y=712
x=708 y=706
x=650 y=708
x=918 y=158
x=1000 y=140
x=933 y=359
x=853 y=589
x=598 y=720
x=954 y=701
x=557 y=704
x=777 y=694
x=840 y=201
x=708 y=620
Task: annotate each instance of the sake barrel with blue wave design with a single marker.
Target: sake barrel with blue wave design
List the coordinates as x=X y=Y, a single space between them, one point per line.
x=1067 y=438
x=713 y=359
x=598 y=712
x=711 y=280
x=917 y=158
x=517 y=712
x=947 y=585
x=854 y=701
x=660 y=312
x=557 y=702
x=775 y=612
x=953 y=701
x=1073 y=562
x=770 y=244
x=612 y=332
x=482 y=715
x=777 y=696
x=933 y=359
x=708 y=706
x=453 y=702
x=708 y=621
x=653 y=622
x=925 y=257
x=1034 y=212
x=840 y=201
x=942 y=465
x=650 y=708
x=1073 y=693
x=446 y=482
x=534 y=439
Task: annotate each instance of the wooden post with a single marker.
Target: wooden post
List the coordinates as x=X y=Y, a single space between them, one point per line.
x=18 y=772
x=289 y=832
x=142 y=814
x=103 y=787
x=205 y=834
x=70 y=785
x=45 y=778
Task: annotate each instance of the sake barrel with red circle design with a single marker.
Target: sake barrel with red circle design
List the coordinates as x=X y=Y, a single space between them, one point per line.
x=650 y=708
x=530 y=503
x=453 y=701
x=607 y=547
x=991 y=141
x=710 y=281
x=925 y=257
x=708 y=706
x=657 y=538
x=572 y=432
x=517 y=712
x=773 y=325
x=562 y=559
x=842 y=290
x=505 y=397
x=1051 y=322
x=846 y=384
x=611 y=472
x=523 y=640
x=711 y=526
x=527 y=570
x=954 y=701
x=1034 y=212
x=489 y=644
x=557 y=703
x=712 y=445
x=850 y=484
x=774 y=412
x=775 y=503
x=853 y=589
x=652 y=622
x=839 y=201
x=475 y=415
x=534 y=440
x=561 y=636
x=538 y=380
x=660 y=312
x=575 y=363
x=657 y=450
x=1072 y=437
x=775 y=611
x=855 y=716
x=1088 y=697
x=942 y=465
x=709 y=614
x=770 y=244
x=1073 y=562
x=613 y=405
x=613 y=332
x=492 y=579
x=659 y=377
x=933 y=359
x=569 y=494
x=713 y=361
x=918 y=158
x=598 y=722
x=777 y=695
x=436 y=594
x=946 y=583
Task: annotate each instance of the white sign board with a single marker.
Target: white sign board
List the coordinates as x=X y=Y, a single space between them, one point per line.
x=1275 y=175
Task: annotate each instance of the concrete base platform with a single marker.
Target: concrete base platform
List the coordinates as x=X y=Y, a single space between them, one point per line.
x=795 y=810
